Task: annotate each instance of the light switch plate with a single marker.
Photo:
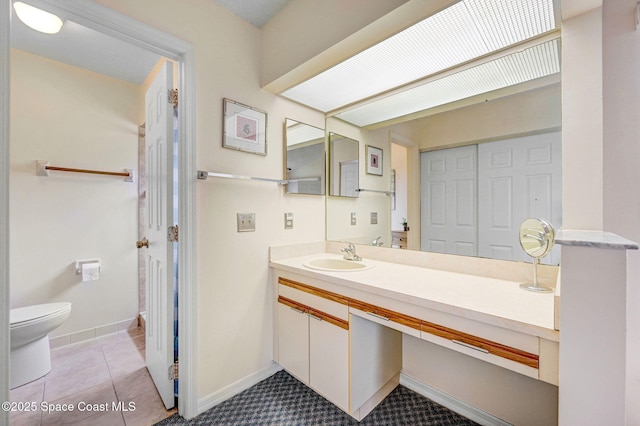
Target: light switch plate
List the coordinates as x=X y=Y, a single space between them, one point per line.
x=374 y=218
x=246 y=222
x=288 y=221
x=353 y=218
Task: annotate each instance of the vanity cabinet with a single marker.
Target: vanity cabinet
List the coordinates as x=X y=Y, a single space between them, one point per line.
x=313 y=342
x=351 y=362
x=346 y=343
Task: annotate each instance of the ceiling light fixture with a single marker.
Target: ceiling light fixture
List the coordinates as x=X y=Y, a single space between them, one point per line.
x=466 y=30
x=536 y=62
x=38 y=19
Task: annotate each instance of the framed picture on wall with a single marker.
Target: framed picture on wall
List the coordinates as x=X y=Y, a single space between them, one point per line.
x=244 y=128
x=374 y=160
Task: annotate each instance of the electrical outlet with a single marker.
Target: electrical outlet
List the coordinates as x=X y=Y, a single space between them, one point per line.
x=288 y=221
x=246 y=222
x=374 y=218
x=353 y=218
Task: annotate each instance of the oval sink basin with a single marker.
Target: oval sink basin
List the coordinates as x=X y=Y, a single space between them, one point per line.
x=336 y=265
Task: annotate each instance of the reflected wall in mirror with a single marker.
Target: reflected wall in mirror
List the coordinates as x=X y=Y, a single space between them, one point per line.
x=344 y=166
x=304 y=158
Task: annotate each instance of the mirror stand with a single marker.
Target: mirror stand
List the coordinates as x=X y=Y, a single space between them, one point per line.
x=534 y=285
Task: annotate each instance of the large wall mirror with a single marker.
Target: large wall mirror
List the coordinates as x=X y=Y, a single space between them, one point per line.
x=465 y=177
x=304 y=158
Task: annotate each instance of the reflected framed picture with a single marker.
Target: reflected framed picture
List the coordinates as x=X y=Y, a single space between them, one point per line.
x=244 y=128
x=374 y=160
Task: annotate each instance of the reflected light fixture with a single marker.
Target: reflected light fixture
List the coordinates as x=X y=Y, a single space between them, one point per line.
x=38 y=19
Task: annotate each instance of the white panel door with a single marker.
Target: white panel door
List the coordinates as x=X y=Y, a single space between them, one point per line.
x=448 y=201
x=518 y=178
x=349 y=178
x=159 y=255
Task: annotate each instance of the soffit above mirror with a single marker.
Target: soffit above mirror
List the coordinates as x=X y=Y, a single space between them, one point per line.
x=425 y=57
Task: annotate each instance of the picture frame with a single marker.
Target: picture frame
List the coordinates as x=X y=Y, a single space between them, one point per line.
x=244 y=128
x=374 y=160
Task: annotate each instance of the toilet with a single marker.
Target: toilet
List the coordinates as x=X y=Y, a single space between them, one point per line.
x=30 y=327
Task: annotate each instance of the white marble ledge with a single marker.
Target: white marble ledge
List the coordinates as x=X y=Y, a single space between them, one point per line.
x=489 y=300
x=594 y=239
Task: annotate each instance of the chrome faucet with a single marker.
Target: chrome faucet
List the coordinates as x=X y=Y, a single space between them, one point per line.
x=377 y=242
x=350 y=252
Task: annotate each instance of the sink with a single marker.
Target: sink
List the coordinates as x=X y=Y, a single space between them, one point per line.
x=336 y=265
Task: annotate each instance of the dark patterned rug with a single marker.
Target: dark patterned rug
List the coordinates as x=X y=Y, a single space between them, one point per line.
x=283 y=400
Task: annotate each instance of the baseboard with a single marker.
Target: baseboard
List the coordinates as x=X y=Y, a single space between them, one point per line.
x=92 y=333
x=450 y=402
x=233 y=389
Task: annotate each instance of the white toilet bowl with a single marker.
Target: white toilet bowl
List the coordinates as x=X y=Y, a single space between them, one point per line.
x=30 y=327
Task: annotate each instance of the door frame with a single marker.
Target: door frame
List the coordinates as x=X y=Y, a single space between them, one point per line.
x=123 y=27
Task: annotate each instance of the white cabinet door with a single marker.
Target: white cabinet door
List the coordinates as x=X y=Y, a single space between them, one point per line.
x=448 y=201
x=517 y=179
x=293 y=342
x=329 y=361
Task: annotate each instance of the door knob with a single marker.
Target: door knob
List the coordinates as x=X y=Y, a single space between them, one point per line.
x=143 y=243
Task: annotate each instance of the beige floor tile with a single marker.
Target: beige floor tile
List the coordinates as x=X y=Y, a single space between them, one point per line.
x=133 y=384
x=86 y=404
x=77 y=360
x=109 y=418
x=149 y=410
x=28 y=418
x=31 y=392
x=64 y=351
x=56 y=387
x=126 y=363
x=134 y=344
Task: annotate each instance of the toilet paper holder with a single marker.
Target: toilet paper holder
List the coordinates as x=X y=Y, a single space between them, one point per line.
x=79 y=264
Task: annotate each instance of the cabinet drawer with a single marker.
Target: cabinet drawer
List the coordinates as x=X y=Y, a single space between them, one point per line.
x=391 y=319
x=318 y=300
x=505 y=356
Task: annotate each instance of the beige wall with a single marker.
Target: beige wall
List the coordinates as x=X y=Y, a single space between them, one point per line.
x=73 y=118
x=520 y=114
x=234 y=310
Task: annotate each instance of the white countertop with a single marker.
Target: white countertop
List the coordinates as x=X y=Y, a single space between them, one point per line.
x=493 y=301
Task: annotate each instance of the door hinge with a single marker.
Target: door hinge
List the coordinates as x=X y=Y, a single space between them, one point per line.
x=173 y=371
x=173 y=97
x=173 y=234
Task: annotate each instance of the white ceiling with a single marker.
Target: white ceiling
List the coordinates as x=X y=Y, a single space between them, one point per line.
x=85 y=48
x=257 y=12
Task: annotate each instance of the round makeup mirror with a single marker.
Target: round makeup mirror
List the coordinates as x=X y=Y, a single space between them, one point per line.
x=536 y=239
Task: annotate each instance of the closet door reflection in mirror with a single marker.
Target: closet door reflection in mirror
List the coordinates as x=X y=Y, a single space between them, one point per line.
x=343 y=166
x=304 y=158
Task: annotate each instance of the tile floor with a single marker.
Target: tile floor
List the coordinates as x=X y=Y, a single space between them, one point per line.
x=106 y=370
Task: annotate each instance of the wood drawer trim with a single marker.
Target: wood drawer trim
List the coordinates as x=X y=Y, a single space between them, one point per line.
x=494 y=348
x=391 y=315
x=315 y=291
x=314 y=312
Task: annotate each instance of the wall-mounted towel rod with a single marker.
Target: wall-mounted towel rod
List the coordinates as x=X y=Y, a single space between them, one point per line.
x=43 y=167
x=374 y=190
x=204 y=175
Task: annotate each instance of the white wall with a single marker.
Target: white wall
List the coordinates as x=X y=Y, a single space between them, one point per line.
x=73 y=118
x=621 y=68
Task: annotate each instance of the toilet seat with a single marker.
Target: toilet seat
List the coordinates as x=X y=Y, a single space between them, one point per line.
x=30 y=314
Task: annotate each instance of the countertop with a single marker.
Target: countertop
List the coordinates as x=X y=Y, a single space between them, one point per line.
x=493 y=301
